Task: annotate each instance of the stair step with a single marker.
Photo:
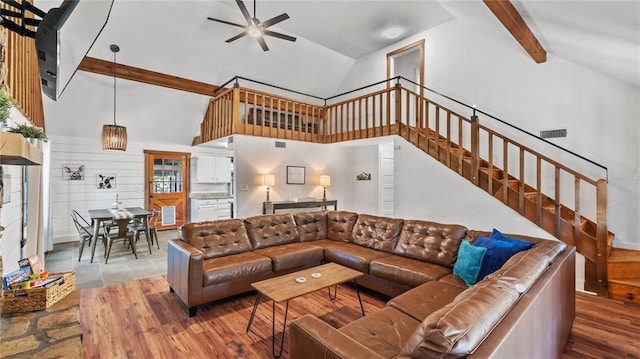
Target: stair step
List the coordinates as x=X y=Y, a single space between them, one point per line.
x=625 y=289
x=623 y=264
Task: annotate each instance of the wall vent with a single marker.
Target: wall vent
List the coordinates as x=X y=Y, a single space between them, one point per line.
x=229 y=140
x=557 y=133
x=280 y=144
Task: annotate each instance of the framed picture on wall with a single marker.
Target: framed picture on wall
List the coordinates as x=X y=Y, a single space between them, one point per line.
x=106 y=181
x=295 y=175
x=73 y=172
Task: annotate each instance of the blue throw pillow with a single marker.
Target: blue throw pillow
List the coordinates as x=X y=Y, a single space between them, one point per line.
x=469 y=262
x=498 y=252
x=520 y=245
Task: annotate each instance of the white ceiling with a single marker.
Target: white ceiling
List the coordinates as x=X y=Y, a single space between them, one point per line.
x=174 y=37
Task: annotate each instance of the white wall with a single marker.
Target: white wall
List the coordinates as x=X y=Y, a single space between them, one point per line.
x=127 y=166
x=481 y=64
x=365 y=193
x=257 y=156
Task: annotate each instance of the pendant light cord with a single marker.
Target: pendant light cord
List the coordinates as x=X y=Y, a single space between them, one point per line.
x=114 y=87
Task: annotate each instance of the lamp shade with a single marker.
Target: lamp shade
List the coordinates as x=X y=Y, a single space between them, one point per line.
x=269 y=180
x=114 y=137
x=325 y=181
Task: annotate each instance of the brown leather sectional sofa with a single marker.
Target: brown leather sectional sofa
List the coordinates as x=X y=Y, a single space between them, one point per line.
x=524 y=309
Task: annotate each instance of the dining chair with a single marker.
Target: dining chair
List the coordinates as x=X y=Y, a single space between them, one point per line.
x=153 y=226
x=85 y=232
x=123 y=233
x=138 y=226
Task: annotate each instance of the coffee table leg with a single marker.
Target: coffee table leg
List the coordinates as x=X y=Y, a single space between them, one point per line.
x=253 y=312
x=273 y=329
x=335 y=292
x=355 y=285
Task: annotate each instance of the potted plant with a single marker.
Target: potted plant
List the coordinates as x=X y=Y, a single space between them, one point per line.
x=6 y=103
x=29 y=132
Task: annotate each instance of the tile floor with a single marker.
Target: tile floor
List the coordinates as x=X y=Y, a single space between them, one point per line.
x=122 y=266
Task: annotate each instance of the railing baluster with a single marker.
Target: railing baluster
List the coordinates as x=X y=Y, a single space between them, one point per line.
x=505 y=173
x=460 y=148
x=576 y=209
x=557 y=200
x=490 y=159
x=521 y=184
x=448 y=139
x=539 y=191
x=437 y=137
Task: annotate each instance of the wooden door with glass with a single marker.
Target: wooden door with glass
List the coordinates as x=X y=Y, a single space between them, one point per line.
x=167 y=179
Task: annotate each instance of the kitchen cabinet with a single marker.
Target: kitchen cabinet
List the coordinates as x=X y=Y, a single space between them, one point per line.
x=210 y=209
x=213 y=169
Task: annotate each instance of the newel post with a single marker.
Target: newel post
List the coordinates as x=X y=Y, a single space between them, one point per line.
x=601 y=237
x=398 y=109
x=475 y=149
x=235 y=108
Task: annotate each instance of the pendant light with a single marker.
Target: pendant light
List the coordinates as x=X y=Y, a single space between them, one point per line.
x=114 y=137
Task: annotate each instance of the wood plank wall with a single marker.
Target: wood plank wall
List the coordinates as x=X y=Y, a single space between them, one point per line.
x=22 y=80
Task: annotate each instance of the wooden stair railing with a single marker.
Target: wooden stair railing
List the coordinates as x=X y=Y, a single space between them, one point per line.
x=562 y=201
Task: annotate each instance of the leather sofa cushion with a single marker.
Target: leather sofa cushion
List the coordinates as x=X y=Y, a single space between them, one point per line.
x=523 y=269
x=353 y=256
x=383 y=331
x=406 y=271
x=423 y=300
x=376 y=232
x=453 y=280
x=311 y=226
x=292 y=255
x=340 y=225
x=230 y=268
x=430 y=241
x=271 y=230
x=218 y=238
x=460 y=326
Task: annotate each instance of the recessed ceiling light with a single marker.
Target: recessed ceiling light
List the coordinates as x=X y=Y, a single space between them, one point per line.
x=392 y=32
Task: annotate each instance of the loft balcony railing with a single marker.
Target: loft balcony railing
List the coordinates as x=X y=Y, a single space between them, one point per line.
x=527 y=174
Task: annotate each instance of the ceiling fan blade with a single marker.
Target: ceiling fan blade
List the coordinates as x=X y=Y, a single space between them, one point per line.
x=274 y=20
x=242 y=34
x=245 y=12
x=279 y=35
x=227 y=22
x=262 y=43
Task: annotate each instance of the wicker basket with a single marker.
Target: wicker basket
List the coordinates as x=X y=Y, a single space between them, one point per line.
x=28 y=300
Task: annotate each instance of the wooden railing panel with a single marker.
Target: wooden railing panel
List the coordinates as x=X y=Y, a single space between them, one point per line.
x=20 y=66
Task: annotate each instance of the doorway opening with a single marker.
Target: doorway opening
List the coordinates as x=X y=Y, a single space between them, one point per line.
x=408 y=62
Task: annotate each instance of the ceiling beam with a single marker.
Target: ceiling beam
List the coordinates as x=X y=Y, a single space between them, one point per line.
x=102 y=67
x=511 y=19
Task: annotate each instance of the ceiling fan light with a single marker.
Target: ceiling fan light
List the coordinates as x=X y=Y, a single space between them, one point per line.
x=254 y=31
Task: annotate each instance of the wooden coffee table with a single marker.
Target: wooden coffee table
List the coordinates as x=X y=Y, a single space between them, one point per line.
x=285 y=287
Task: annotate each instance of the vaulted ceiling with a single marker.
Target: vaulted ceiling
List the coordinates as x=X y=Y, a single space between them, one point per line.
x=174 y=37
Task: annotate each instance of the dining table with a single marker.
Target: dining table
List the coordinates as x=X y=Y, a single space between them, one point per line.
x=108 y=214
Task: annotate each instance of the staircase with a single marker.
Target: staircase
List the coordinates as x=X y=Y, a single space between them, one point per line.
x=624 y=275
x=559 y=199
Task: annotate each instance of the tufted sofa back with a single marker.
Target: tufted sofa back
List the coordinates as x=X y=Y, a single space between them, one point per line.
x=311 y=226
x=340 y=225
x=376 y=232
x=217 y=239
x=430 y=242
x=271 y=230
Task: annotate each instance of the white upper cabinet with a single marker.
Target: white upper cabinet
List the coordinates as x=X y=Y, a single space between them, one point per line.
x=213 y=169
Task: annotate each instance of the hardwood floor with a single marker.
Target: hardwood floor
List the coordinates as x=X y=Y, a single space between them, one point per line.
x=141 y=319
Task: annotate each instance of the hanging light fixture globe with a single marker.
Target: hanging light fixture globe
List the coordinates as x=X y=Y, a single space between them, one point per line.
x=114 y=137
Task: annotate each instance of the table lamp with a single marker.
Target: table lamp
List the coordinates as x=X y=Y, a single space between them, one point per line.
x=325 y=181
x=269 y=181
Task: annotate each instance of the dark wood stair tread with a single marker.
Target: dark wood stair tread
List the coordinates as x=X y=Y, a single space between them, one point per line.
x=624 y=255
